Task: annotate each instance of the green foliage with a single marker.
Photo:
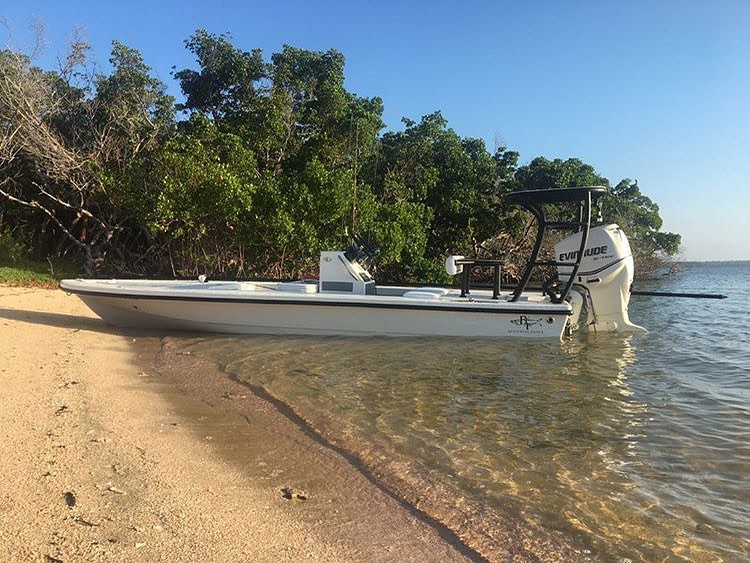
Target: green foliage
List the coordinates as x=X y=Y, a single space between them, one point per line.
x=443 y=190
x=271 y=161
x=639 y=216
x=543 y=174
x=227 y=81
x=63 y=136
x=27 y=272
x=131 y=105
x=11 y=249
x=204 y=180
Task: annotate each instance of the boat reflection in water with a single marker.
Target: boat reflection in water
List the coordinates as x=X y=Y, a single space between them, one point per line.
x=554 y=436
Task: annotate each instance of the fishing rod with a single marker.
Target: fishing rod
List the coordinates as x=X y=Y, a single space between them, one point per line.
x=670 y=294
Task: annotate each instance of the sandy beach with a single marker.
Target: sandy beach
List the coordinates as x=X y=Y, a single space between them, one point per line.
x=102 y=459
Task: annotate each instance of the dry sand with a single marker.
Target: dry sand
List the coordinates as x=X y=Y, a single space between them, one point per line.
x=103 y=459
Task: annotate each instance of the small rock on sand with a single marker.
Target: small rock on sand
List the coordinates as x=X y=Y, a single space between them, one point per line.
x=70 y=499
x=293 y=494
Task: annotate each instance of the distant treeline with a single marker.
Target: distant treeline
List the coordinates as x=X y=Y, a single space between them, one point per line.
x=266 y=163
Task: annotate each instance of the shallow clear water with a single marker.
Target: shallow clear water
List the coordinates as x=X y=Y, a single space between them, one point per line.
x=635 y=447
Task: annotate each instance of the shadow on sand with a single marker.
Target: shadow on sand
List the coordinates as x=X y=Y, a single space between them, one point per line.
x=62 y=320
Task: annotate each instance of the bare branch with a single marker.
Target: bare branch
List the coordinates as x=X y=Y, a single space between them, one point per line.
x=39 y=29
x=35 y=205
x=78 y=209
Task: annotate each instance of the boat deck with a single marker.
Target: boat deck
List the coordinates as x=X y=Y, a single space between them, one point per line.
x=307 y=293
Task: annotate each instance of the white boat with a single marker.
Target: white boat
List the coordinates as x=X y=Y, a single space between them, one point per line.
x=592 y=290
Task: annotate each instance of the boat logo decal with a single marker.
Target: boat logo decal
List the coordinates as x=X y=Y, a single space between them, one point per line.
x=588 y=252
x=525 y=321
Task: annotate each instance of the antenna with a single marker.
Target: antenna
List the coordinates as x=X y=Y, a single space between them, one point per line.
x=377 y=158
x=354 y=184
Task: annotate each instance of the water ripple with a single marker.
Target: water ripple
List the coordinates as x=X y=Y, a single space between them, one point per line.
x=636 y=446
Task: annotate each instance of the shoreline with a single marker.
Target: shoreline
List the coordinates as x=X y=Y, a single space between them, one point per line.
x=496 y=536
x=129 y=447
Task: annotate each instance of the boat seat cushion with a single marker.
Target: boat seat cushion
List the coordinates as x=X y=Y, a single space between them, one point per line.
x=426 y=293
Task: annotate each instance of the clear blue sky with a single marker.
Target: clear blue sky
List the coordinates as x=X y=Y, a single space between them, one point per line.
x=658 y=91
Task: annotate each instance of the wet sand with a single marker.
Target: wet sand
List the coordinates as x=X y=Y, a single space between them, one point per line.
x=103 y=458
x=494 y=535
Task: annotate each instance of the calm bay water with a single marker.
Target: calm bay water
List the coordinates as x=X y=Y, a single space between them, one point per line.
x=635 y=447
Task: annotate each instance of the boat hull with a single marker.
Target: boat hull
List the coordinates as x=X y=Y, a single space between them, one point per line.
x=314 y=316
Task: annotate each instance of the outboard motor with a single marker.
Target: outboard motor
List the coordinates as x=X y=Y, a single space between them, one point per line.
x=601 y=290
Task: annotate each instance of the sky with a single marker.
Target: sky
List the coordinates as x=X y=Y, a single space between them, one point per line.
x=653 y=91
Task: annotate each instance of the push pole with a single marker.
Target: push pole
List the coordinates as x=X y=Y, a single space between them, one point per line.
x=669 y=294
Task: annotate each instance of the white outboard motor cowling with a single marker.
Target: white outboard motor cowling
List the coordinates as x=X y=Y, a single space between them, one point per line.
x=603 y=279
